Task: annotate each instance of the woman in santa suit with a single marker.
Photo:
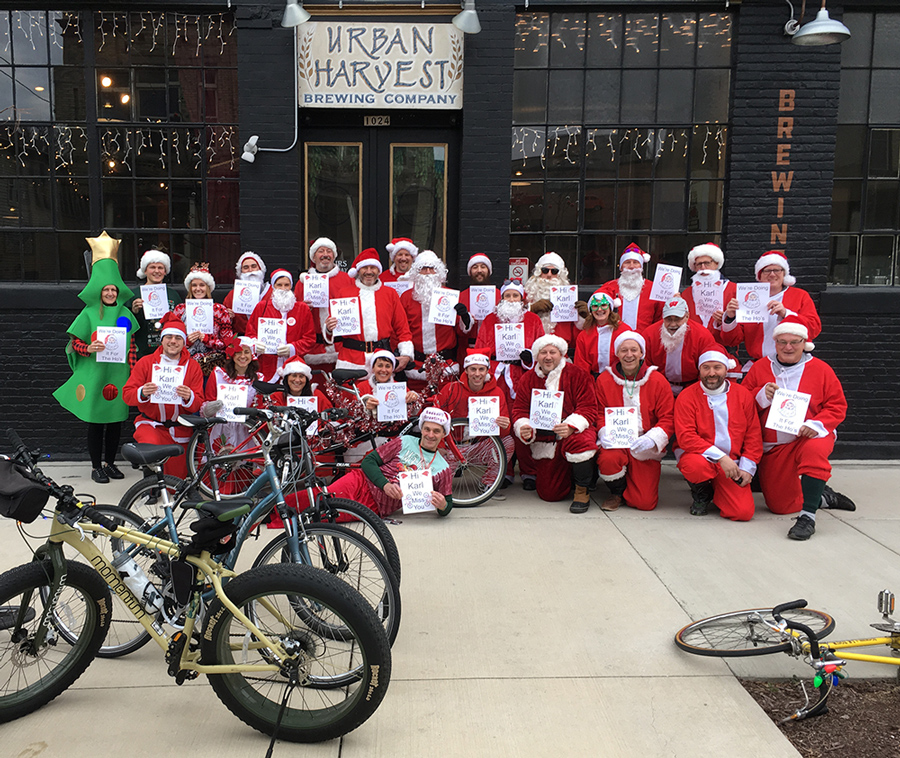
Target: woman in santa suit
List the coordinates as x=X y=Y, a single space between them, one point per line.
x=594 y=346
x=296 y=381
x=241 y=369
x=207 y=349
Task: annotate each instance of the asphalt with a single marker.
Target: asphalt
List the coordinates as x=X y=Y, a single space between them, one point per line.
x=529 y=631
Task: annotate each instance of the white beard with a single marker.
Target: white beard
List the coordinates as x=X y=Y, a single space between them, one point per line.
x=253 y=276
x=510 y=311
x=631 y=283
x=706 y=275
x=424 y=286
x=672 y=341
x=539 y=289
x=284 y=300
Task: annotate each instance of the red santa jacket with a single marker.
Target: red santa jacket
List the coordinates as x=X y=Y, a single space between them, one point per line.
x=729 y=291
x=454 y=398
x=640 y=312
x=649 y=392
x=757 y=338
x=679 y=366
x=465 y=297
x=508 y=372
x=239 y=320
x=323 y=352
x=152 y=413
x=717 y=425
x=827 y=405
x=594 y=347
x=428 y=338
x=300 y=333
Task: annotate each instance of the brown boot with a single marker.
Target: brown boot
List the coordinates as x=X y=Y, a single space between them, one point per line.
x=612 y=503
x=581 y=502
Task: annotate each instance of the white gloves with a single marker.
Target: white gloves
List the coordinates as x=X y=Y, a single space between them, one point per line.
x=283 y=351
x=642 y=444
x=602 y=439
x=212 y=408
x=260 y=347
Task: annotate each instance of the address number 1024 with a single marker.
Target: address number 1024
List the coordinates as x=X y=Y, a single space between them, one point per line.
x=376 y=120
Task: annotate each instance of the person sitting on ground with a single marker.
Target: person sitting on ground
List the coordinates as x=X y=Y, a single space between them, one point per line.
x=594 y=347
x=207 y=349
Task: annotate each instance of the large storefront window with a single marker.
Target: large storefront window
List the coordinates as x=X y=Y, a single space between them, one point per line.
x=118 y=121
x=619 y=135
x=865 y=221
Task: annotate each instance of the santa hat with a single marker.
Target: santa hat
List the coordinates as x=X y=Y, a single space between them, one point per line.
x=435 y=416
x=476 y=358
x=677 y=306
x=426 y=259
x=386 y=354
x=550 y=259
x=513 y=284
x=171 y=324
x=708 y=248
x=549 y=339
x=278 y=273
x=368 y=257
x=775 y=258
x=200 y=271
x=793 y=325
x=634 y=253
x=630 y=336
x=716 y=355
x=401 y=243
x=322 y=242
x=245 y=256
x=153 y=256
x=296 y=367
x=604 y=298
x=479 y=258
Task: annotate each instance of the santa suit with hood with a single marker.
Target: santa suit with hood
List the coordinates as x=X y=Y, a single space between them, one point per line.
x=239 y=320
x=708 y=279
x=639 y=311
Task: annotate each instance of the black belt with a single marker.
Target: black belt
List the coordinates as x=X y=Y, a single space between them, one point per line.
x=320 y=339
x=365 y=347
x=448 y=354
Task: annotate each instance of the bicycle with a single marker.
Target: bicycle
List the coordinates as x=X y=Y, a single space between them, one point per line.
x=271 y=634
x=794 y=629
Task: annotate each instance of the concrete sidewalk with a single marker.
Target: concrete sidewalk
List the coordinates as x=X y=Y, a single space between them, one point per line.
x=529 y=631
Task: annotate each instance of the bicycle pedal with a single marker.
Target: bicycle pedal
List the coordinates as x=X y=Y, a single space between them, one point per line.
x=885 y=603
x=173 y=655
x=182 y=676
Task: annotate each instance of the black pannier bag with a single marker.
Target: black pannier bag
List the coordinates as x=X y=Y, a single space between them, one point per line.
x=21 y=496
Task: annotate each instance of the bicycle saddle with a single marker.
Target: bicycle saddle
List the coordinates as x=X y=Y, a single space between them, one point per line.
x=345 y=375
x=144 y=454
x=223 y=510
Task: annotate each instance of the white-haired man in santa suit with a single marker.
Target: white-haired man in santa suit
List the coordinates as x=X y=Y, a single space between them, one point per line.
x=402 y=251
x=382 y=318
x=550 y=271
x=794 y=470
x=323 y=255
x=637 y=309
x=249 y=268
x=154 y=267
x=675 y=343
x=709 y=291
x=479 y=268
x=720 y=440
x=563 y=455
x=428 y=274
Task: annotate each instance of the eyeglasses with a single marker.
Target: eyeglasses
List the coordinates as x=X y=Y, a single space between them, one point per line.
x=548 y=270
x=772 y=270
x=705 y=264
x=792 y=343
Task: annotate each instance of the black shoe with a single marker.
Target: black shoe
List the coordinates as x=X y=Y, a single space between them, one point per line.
x=505 y=483
x=99 y=476
x=803 y=529
x=836 y=500
x=112 y=472
x=699 y=508
x=529 y=484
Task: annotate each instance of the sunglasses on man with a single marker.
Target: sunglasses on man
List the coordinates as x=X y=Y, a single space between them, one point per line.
x=548 y=270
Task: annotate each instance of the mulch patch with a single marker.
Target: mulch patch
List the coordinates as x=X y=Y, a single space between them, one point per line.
x=863 y=719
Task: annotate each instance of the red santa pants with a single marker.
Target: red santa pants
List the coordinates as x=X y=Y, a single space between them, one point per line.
x=732 y=500
x=641 y=477
x=159 y=435
x=553 y=476
x=781 y=468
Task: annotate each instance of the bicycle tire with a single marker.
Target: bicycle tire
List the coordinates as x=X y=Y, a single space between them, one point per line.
x=477 y=480
x=316 y=710
x=351 y=558
x=138 y=497
x=739 y=633
x=29 y=681
x=234 y=477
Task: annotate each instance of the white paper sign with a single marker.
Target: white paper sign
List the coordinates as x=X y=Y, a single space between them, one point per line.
x=443 y=302
x=416 y=487
x=708 y=298
x=198 y=316
x=232 y=396
x=315 y=290
x=482 y=301
x=400 y=286
x=346 y=311
x=156 y=301
x=509 y=341
x=272 y=332
x=752 y=301
x=166 y=378
x=307 y=403
x=483 y=415
x=563 y=299
x=391 y=397
x=666 y=282
x=622 y=426
x=246 y=297
x=788 y=411
x=546 y=409
x=115 y=339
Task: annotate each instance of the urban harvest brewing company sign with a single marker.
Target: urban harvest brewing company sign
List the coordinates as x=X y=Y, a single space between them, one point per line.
x=353 y=65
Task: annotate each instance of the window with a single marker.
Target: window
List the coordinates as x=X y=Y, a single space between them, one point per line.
x=865 y=219
x=619 y=135
x=118 y=121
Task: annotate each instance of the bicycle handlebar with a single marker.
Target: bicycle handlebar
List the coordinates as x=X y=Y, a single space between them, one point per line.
x=810 y=634
x=793 y=605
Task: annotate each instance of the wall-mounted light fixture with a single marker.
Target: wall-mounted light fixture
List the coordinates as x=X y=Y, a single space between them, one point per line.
x=467 y=20
x=823 y=30
x=294 y=14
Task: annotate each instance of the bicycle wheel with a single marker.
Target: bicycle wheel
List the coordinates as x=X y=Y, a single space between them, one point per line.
x=144 y=499
x=339 y=682
x=478 y=474
x=31 y=678
x=232 y=477
x=354 y=560
x=744 y=633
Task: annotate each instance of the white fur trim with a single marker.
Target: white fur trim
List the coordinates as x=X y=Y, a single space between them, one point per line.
x=480 y=258
x=613 y=477
x=659 y=437
x=633 y=255
x=244 y=256
x=296 y=367
x=401 y=244
x=543 y=451
x=369 y=314
x=203 y=276
x=708 y=249
x=796 y=329
x=580 y=457
x=629 y=335
x=637 y=382
x=153 y=256
x=577 y=422
x=550 y=259
x=323 y=242
x=549 y=339
x=716 y=355
x=407 y=349
x=772 y=258
x=551 y=380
